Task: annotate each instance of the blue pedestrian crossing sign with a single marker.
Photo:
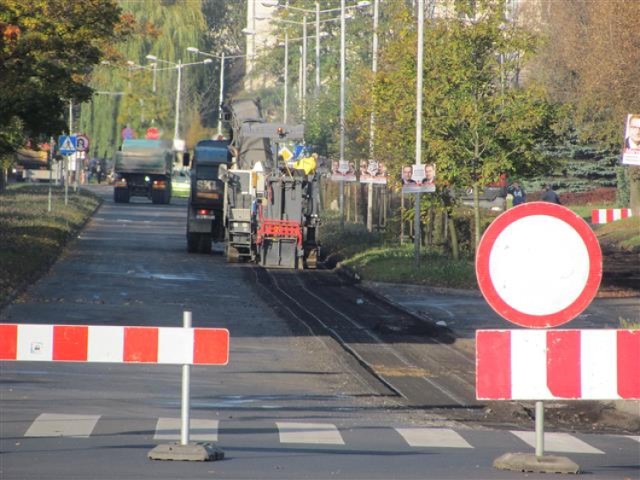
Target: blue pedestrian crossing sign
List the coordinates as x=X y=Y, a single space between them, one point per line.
x=67 y=144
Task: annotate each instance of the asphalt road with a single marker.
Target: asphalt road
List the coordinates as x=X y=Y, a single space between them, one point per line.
x=292 y=403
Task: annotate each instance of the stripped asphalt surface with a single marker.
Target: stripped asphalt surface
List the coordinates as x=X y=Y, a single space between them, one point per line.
x=391 y=344
x=409 y=356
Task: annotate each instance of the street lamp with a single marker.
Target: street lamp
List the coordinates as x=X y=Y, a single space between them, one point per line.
x=179 y=66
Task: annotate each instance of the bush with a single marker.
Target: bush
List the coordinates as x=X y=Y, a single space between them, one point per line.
x=339 y=242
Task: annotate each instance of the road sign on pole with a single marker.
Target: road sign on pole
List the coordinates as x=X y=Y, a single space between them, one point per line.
x=67 y=144
x=539 y=265
x=82 y=143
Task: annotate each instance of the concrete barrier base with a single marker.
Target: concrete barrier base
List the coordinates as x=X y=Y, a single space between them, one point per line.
x=528 y=462
x=192 y=452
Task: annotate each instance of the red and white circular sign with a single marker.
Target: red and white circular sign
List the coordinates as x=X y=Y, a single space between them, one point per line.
x=539 y=265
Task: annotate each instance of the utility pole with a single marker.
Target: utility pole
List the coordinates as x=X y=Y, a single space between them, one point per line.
x=374 y=69
x=417 y=233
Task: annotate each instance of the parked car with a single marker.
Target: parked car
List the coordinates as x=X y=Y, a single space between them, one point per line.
x=181 y=183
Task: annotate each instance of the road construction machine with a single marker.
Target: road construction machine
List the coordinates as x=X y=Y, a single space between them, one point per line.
x=271 y=208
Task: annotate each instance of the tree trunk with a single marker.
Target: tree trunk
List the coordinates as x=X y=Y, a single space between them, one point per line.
x=454 y=238
x=634 y=189
x=476 y=216
x=4 y=174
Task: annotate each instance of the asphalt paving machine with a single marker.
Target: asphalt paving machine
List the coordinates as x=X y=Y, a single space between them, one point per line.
x=271 y=208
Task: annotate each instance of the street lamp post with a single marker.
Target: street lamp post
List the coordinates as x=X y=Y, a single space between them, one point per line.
x=342 y=80
x=374 y=69
x=221 y=95
x=419 y=74
x=177 y=121
x=154 y=65
x=286 y=76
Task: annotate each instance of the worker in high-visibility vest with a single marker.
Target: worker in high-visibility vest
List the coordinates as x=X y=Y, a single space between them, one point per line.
x=307 y=164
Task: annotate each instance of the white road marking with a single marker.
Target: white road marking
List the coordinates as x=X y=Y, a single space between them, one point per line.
x=324 y=433
x=60 y=425
x=558 y=442
x=634 y=437
x=200 y=430
x=432 y=437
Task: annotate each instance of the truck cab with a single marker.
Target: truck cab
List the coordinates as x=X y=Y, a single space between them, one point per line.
x=205 y=216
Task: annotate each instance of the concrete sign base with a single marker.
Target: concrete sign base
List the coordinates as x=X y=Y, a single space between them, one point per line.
x=192 y=452
x=528 y=462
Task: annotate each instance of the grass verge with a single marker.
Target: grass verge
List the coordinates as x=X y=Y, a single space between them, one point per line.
x=621 y=235
x=398 y=265
x=31 y=238
x=376 y=258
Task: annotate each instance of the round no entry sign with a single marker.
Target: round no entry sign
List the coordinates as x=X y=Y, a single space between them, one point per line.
x=539 y=265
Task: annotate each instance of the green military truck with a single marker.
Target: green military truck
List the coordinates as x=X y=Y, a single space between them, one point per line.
x=205 y=211
x=143 y=169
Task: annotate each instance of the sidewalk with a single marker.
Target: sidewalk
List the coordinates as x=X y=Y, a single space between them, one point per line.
x=466 y=311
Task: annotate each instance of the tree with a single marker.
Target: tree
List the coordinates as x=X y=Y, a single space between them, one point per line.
x=163 y=29
x=480 y=126
x=478 y=123
x=46 y=49
x=591 y=62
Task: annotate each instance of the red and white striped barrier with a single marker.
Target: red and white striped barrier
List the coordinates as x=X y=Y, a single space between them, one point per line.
x=89 y=343
x=608 y=215
x=557 y=364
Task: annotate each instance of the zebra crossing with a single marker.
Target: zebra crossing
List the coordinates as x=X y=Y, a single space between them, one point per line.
x=291 y=433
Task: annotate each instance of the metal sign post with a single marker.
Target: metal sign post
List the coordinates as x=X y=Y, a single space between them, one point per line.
x=67 y=147
x=186 y=392
x=539 y=429
x=66 y=180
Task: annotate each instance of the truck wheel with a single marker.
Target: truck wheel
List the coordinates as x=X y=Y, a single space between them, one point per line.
x=311 y=259
x=192 y=242
x=157 y=196
x=232 y=254
x=218 y=229
x=167 y=195
x=205 y=243
x=121 y=195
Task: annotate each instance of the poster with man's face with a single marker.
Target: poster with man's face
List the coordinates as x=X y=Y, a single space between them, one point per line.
x=343 y=171
x=631 y=150
x=418 y=178
x=372 y=171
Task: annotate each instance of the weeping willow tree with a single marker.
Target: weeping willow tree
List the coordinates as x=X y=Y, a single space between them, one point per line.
x=125 y=93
